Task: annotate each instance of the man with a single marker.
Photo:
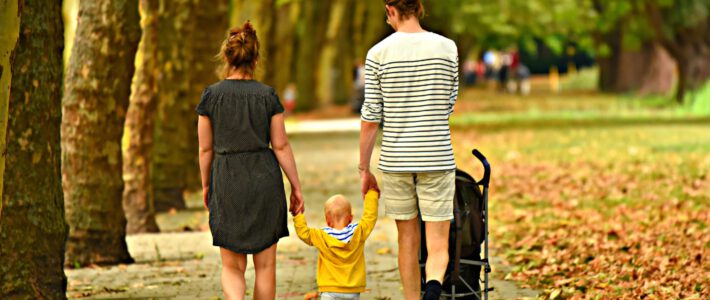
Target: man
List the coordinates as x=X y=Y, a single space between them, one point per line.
x=411 y=85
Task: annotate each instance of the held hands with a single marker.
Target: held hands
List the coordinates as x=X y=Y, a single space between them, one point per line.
x=368 y=182
x=297 y=206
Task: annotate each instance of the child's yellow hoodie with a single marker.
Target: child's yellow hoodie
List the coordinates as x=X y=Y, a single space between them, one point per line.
x=341 y=266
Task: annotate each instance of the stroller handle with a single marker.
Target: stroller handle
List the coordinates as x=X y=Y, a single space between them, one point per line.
x=486 y=168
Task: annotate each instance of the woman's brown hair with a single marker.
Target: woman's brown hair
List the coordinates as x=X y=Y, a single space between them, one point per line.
x=240 y=50
x=407 y=8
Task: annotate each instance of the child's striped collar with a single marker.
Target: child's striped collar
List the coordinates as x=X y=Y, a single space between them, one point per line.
x=344 y=235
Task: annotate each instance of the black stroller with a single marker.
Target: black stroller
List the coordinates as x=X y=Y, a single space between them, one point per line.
x=469 y=229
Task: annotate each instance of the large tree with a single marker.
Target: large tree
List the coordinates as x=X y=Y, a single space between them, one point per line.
x=628 y=57
x=173 y=120
x=211 y=22
x=683 y=28
x=96 y=99
x=311 y=32
x=138 y=201
x=32 y=226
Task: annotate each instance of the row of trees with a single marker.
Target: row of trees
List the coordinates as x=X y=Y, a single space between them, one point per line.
x=116 y=133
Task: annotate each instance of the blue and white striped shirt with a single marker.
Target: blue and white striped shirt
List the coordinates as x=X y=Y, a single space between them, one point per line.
x=411 y=84
x=344 y=235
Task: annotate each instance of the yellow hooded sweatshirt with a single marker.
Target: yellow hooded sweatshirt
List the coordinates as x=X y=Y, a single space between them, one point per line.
x=341 y=266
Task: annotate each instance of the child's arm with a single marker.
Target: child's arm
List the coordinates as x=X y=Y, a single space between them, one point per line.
x=308 y=235
x=369 y=214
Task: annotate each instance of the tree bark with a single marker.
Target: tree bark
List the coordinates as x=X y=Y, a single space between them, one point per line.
x=211 y=23
x=10 y=22
x=332 y=54
x=95 y=102
x=688 y=44
x=173 y=126
x=279 y=56
x=261 y=15
x=314 y=18
x=138 y=201
x=32 y=226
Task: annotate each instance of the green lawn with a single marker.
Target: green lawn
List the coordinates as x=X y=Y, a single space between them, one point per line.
x=602 y=200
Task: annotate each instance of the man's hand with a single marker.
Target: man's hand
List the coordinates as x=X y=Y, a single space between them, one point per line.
x=205 y=196
x=368 y=182
x=297 y=206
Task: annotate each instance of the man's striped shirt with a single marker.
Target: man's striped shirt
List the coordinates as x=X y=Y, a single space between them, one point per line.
x=411 y=84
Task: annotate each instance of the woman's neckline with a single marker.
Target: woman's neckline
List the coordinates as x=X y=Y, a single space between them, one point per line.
x=239 y=79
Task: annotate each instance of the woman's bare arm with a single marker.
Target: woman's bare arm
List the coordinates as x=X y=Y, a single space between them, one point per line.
x=204 y=134
x=284 y=154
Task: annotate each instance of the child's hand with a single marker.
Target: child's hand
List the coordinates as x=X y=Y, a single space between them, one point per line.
x=368 y=182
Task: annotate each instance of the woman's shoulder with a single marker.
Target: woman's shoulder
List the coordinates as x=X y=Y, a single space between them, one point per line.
x=230 y=86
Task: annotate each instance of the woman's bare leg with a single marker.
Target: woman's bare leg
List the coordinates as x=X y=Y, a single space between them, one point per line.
x=233 y=267
x=265 y=269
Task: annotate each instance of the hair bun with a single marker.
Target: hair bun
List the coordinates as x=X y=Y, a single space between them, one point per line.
x=248 y=28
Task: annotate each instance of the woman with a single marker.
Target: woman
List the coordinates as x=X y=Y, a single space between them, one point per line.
x=411 y=85
x=241 y=180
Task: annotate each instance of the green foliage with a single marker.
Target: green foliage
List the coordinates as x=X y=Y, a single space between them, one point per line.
x=500 y=24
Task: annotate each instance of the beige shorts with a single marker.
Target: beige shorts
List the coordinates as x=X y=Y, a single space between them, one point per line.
x=407 y=194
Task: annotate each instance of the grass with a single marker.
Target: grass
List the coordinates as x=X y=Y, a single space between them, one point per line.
x=594 y=195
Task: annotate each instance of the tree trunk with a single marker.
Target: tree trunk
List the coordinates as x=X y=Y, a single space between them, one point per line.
x=32 y=226
x=314 y=18
x=138 y=201
x=10 y=22
x=609 y=63
x=688 y=44
x=648 y=70
x=96 y=98
x=279 y=56
x=330 y=56
x=693 y=68
x=659 y=73
x=173 y=126
x=211 y=23
x=261 y=15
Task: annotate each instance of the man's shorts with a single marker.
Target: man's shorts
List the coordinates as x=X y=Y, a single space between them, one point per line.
x=407 y=194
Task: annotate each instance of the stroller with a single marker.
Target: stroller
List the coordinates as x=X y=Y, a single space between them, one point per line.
x=469 y=229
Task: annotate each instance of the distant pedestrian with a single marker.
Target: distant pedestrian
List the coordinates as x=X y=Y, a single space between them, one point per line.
x=290 y=95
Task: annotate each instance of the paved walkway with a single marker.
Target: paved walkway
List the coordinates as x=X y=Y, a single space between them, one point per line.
x=185 y=265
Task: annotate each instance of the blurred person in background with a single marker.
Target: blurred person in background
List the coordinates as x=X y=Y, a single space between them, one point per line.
x=290 y=98
x=358 y=96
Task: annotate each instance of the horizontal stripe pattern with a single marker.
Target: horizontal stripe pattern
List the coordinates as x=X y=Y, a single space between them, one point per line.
x=411 y=85
x=344 y=235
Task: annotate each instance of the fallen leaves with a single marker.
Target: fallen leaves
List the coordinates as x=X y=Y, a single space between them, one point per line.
x=603 y=224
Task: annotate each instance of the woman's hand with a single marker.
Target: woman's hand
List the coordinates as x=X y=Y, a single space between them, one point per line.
x=368 y=182
x=205 y=196
x=297 y=206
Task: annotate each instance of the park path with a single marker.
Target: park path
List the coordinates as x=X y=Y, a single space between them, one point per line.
x=184 y=265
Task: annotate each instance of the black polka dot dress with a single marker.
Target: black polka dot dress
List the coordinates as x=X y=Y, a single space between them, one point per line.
x=247 y=202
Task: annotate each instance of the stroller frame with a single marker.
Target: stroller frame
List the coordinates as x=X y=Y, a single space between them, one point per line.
x=457 y=261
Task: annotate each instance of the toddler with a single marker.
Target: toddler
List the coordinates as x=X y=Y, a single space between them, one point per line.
x=341 y=256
